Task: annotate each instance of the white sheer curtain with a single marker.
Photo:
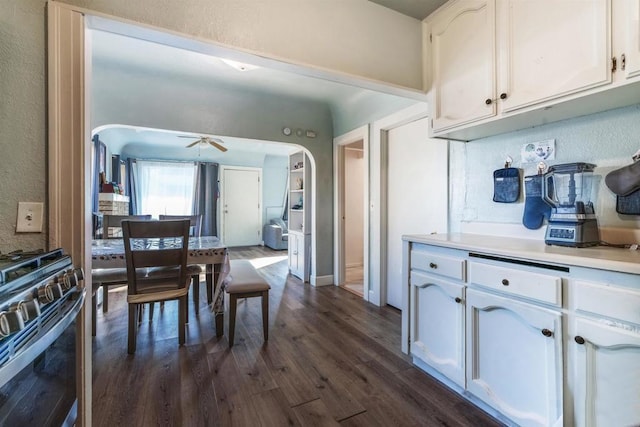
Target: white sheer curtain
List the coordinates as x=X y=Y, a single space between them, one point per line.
x=165 y=188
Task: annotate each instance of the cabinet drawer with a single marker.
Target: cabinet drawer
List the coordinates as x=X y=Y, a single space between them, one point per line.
x=438 y=264
x=541 y=287
x=617 y=303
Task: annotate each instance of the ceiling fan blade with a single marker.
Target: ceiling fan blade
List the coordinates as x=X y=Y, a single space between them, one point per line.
x=186 y=136
x=193 y=143
x=218 y=146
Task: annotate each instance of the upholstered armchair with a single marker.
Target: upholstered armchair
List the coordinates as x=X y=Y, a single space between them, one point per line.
x=276 y=234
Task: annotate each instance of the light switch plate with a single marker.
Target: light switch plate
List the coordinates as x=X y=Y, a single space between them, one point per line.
x=30 y=215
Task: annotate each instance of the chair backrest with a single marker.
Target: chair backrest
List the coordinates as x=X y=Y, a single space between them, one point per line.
x=280 y=223
x=111 y=222
x=152 y=244
x=195 y=222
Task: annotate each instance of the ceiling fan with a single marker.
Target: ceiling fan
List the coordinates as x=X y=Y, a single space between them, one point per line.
x=216 y=142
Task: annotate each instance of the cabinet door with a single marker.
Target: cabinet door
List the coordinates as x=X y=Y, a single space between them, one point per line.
x=462 y=42
x=630 y=20
x=605 y=371
x=551 y=48
x=293 y=245
x=437 y=324
x=514 y=358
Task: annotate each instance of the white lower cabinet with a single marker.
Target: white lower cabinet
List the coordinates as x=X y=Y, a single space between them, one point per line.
x=539 y=344
x=514 y=358
x=437 y=326
x=604 y=372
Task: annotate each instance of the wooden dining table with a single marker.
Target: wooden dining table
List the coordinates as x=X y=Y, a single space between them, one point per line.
x=204 y=250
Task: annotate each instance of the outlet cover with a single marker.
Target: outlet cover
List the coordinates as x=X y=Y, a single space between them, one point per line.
x=30 y=215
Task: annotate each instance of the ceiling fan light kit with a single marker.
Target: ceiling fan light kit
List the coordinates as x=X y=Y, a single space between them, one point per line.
x=206 y=140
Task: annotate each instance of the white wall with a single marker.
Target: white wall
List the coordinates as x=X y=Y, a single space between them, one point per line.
x=354 y=207
x=416 y=194
x=607 y=139
x=354 y=37
x=274 y=183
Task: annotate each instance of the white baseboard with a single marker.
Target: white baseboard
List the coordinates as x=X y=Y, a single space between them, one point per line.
x=322 y=280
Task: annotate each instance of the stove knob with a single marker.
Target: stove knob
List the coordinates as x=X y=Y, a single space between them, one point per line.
x=79 y=273
x=4 y=326
x=73 y=278
x=11 y=321
x=30 y=309
x=45 y=293
x=56 y=289
x=63 y=281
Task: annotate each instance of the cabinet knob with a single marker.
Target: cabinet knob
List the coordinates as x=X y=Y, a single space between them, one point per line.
x=505 y=282
x=432 y=265
x=503 y=95
x=458 y=300
x=579 y=339
x=488 y=101
x=546 y=332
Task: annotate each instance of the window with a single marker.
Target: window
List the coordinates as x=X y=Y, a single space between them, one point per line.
x=165 y=188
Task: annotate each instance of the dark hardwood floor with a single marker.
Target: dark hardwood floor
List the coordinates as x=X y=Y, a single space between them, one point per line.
x=331 y=359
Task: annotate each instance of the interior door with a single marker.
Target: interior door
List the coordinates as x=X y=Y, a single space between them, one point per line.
x=241 y=207
x=417 y=194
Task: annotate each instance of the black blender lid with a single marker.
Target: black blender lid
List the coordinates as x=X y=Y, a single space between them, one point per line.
x=572 y=167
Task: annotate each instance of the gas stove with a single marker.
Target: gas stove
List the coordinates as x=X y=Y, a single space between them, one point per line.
x=38 y=291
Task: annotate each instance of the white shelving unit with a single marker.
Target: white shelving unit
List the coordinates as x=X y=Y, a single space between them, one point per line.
x=299 y=215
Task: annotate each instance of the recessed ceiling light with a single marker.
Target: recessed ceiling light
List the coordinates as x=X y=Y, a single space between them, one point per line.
x=240 y=66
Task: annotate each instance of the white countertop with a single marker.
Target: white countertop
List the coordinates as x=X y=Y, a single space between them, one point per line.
x=600 y=257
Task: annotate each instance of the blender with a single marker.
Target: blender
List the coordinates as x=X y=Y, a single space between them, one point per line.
x=567 y=188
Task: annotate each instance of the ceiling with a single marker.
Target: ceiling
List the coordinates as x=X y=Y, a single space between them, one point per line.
x=113 y=47
x=418 y=9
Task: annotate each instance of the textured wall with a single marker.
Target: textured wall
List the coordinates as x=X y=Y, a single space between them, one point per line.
x=606 y=139
x=22 y=117
x=355 y=37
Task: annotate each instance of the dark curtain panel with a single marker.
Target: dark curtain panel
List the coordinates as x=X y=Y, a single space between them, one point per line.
x=205 y=202
x=95 y=186
x=131 y=187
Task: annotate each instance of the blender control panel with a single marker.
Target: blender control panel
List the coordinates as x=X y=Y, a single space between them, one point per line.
x=563 y=233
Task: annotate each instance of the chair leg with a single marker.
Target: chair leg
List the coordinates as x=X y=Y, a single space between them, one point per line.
x=152 y=305
x=195 y=283
x=182 y=318
x=232 y=318
x=133 y=319
x=265 y=315
x=94 y=316
x=105 y=298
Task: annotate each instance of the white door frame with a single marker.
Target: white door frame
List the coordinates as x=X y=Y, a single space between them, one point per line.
x=378 y=196
x=223 y=195
x=339 y=143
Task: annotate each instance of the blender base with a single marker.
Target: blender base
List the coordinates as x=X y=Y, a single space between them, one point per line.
x=579 y=234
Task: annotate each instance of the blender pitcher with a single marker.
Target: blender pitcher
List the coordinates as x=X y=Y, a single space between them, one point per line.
x=567 y=189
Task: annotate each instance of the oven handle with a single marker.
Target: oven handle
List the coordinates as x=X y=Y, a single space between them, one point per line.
x=26 y=355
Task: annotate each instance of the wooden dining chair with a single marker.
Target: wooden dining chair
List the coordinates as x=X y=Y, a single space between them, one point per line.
x=194 y=270
x=156 y=246
x=195 y=222
x=105 y=277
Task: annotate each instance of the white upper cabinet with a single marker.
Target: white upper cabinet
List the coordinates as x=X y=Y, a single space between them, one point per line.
x=551 y=48
x=463 y=63
x=626 y=33
x=496 y=66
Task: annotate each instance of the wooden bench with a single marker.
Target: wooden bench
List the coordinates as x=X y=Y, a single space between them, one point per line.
x=246 y=282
